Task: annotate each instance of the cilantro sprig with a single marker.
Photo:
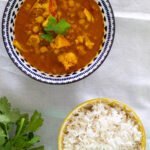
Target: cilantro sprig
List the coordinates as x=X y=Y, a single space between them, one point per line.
x=17 y=131
x=47 y=36
x=55 y=27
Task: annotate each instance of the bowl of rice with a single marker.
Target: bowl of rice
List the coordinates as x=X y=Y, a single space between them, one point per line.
x=102 y=124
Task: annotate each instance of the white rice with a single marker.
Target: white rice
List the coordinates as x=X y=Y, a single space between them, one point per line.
x=102 y=128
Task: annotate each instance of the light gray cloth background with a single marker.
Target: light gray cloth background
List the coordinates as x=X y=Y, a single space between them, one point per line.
x=125 y=75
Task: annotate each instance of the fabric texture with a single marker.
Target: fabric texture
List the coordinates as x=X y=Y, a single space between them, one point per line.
x=125 y=75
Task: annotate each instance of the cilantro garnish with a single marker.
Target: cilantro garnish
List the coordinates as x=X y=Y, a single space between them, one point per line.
x=60 y=27
x=52 y=22
x=17 y=130
x=47 y=36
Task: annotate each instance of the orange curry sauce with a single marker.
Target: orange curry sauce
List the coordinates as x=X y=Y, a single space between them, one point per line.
x=85 y=35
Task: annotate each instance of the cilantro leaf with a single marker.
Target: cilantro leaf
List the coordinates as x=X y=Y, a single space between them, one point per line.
x=10 y=117
x=17 y=131
x=52 y=20
x=4 y=118
x=61 y=27
x=47 y=36
x=24 y=141
x=26 y=127
x=7 y=114
x=2 y=136
x=14 y=115
x=35 y=122
x=8 y=146
x=34 y=140
x=4 y=105
x=53 y=26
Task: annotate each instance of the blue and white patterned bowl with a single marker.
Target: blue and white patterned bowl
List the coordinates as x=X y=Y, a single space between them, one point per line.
x=8 y=23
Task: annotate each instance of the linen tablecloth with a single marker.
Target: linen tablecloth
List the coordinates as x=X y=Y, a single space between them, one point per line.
x=125 y=75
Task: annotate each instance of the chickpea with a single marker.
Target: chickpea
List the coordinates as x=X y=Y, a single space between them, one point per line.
x=72 y=15
x=81 y=14
x=64 y=5
x=27 y=7
x=29 y=32
x=45 y=14
x=88 y=43
x=71 y=21
x=81 y=21
x=95 y=8
x=81 y=50
x=29 y=26
x=59 y=14
x=33 y=40
x=78 y=5
x=79 y=39
x=36 y=29
x=43 y=49
x=74 y=26
x=39 y=19
x=71 y=31
x=56 y=51
x=71 y=3
x=86 y=26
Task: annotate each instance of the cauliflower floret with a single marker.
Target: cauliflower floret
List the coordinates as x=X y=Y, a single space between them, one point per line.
x=18 y=46
x=68 y=60
x=88 y=43
x=39 y=19
x=86 y=40
x=81 y=50
x=60 y=42
x=33 y=41
x=88 y=15
x=44 y=6
x=79 y=39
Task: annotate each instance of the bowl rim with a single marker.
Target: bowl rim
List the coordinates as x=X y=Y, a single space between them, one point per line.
x=71 y=79
x=108 y=101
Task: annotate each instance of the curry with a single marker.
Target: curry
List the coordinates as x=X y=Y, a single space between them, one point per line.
x=59 y=36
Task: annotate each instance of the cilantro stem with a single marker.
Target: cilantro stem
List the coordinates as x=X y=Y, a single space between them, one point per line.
x=16 y=129
x=19 y=130
x=6 y=131
x=20 y=127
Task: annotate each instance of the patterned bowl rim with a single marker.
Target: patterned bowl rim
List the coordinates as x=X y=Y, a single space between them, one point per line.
x=60 y=79
x=111 y=102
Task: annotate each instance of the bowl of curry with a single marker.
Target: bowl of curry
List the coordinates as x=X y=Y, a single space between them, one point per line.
x=58 y=41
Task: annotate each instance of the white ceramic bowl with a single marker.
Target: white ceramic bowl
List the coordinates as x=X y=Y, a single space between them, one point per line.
x=8 y=23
